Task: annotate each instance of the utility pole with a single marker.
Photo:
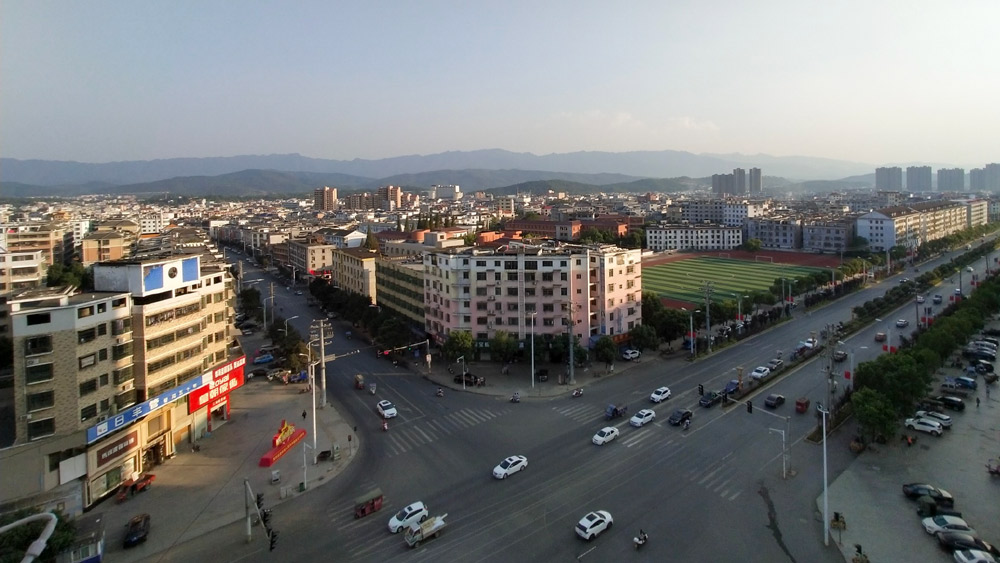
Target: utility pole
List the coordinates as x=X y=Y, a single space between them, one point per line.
x=321 y=326
x=572 y=345
x=707 y=288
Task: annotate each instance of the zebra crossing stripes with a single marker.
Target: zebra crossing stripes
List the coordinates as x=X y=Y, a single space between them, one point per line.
x=719 y=478
x=579 y=412
x=405 y=438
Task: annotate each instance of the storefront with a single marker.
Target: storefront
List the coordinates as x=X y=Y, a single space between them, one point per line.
x=114 y=461
x=213 y=399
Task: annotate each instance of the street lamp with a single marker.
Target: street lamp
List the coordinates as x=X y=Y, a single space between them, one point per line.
x=266 y=299
x=826 y=506
x=739 y=305
x=691 y=337
x=312 y=385
x=464 y=369
x=533 y=313
x=286 y=323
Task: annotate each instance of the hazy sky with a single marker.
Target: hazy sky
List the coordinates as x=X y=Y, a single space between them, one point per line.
x=869 y=81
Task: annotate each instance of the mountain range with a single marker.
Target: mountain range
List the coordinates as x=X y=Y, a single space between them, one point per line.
x=473 y=170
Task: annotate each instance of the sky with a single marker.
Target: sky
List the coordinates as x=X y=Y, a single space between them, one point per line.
x=883 y=82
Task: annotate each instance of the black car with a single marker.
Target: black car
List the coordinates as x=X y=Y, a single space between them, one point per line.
x=137 y=530
x=953 y=541
x=839 y=356
x=941 y=497
x=732 y=387
x=774 y=401
x=469 y=379
x=949 y=402
x=679 y=416
x=710 y=398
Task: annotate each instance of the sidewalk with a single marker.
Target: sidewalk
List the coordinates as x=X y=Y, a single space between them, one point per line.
x=198 y=492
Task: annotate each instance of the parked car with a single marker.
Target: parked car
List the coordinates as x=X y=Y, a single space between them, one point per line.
x=263 y=359
x=605 y=435
x=510 y=466
x=941 y=418
x=593 y=524
x=259 y=372
x=661 y=394
x=760 y=372
x=953 y=541
x=924 y=425
x=941 y=497
x=774 y=401
x=902 y=323
x=709 y=398
x=937 y=299
x=941 y=523
x=982 y=366
x=409 y=514
x=640 y=418
x=732 y=387
x=629 y=355
x=679 y=416
x=949 y=402
x=972 y=556
x=775 y=364
x=469 y=378
x=386 y=409
x=966 y=382
x=137 y=530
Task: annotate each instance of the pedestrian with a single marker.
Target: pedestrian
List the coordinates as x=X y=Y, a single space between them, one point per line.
x=303 y=415
x=977 y=402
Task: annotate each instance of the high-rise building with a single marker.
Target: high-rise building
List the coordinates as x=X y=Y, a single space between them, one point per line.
x=918 y=178
x=325 y=198
x=992 y=174
x=389 y=197
x=739 y=181
x=977 y=180
x=756 y=187
x=889 y=178
x=951 y=180
x=722 y=184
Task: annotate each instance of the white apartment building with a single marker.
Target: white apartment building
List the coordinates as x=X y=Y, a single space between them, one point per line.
x=693 y=237
x=977 y=211
x=21 y=270
x=912 y=225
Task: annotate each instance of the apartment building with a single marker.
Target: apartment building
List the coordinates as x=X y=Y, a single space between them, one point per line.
x=918 y=178
x=595 y=289
x=103 y=246
x=389 y=197
x=780 y=231
x=977 y=211
x=756 y=187
x=828 y=234
x=310 y=259
x=325 y=198
x=353 y=269
x=446 y=192
x=55 y=241
x=399 y=282
x=341 y=238
x=889 y=178
x=558 y=230
x=729 y=212
x=911 y=225
x=951 y=180
x=21 y=270
x=154 y=222
x=693 y=237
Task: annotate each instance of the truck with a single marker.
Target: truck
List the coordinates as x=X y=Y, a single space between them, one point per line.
x=420 y=531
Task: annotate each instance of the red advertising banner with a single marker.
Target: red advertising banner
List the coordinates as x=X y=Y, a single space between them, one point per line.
x=224 y=379
x=283 y=442
x=126 y=443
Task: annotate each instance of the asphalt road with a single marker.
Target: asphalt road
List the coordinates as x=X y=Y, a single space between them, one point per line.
x=714 y=492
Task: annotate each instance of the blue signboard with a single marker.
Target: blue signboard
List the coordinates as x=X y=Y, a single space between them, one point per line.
x=136 y=412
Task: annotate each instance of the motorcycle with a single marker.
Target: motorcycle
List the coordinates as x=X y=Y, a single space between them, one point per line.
x=515 y=398
x=385 y=426
x=371 y=388
x=687 y=424
x=577 y=393
x=640 y=540
x=440 y=392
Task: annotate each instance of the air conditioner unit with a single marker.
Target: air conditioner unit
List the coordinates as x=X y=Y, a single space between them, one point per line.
x=102 y=418
x=120 y=340
x=32 y=362
x=25 y=417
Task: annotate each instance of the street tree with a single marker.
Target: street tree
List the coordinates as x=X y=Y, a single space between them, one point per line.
x=459 y=343
x=503 y=346
x=605 y=350
x=644 y=337
x=874 y=413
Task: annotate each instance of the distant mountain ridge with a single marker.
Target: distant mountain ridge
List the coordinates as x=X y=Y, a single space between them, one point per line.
x=652 y=164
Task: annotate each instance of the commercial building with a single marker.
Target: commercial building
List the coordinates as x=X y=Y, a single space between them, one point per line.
x=889 y=178
x=918 y=178
x=693 y=237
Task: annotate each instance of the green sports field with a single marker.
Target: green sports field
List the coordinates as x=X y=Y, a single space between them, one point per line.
x=682 y=280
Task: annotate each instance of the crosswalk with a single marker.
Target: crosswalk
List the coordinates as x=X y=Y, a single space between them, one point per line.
x=580 y=412
x=406 y=438
x=718 y=477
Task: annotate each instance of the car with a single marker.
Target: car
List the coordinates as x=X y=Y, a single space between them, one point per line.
x=949 y=402
x=879 y=337
x=924 y=425
x=902 y=323
x=966 y=382
x=469 y=378
x=775 y=364
x=263 y=359
x=510 y=466
x=679 y=416
x=731 y=387
x=969 y=269
x=953 y=541
x=904 y=280
x=409 y=514
x=709 y=398
x=259 y=372
x=640 y=418
x=810 y=343
x=958 y=291
x=605 y=435
x=269 y=349
x=920 y=299
x=839 y=356
x=661 y=394
x=942 y=523
x=774 y=401
x=941 y=497
x=937 y=299
x=386 y=409
x=593 y=524
x=298 y=292
x=629 y=355
x=137 y=530
x=760 y=372
x=277 y=373
x=941 y=418
x=972 y=556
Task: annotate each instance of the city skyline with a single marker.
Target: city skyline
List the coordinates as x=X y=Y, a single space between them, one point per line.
x=110 y=81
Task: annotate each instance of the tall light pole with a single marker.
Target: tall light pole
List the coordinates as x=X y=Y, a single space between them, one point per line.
x=826 y=505
x=266 y=299
x=691 y=336
x=533 y=313
x=286 y=323
x=312 y=383
x=462 y=359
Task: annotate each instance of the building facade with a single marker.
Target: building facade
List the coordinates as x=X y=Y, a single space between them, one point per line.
x=918 y=178
x=325 y=199
x=889 y=178
x=693 y=237
x=780 y=231
x=951 y=180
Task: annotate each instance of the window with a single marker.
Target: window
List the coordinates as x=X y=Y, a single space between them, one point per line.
x=121 y=326
x=102 y=307
x=118 y=303
x=88 y=387
x=104 y=379
x=512 y=291
x=480 y=320
x=88 y=412
x=41 y=428
x=38 y=319
x=85 y=336
x=481 y=306
x=84 y=312
x=39 y=401
x=88 y=360
x=38 y=374
x=38 y=345
x=102 y=329
x=102 y=354
x=511 y=276
x=512 y=321
x=481 y=276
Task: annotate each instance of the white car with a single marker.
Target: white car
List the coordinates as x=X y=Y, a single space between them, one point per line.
x=924 y=425
x=760 y=373
x=972 y=556
x=920 y=299
x=661 y=394
x=902 y=323
x=810 y=343
x=594 y=523
x=605 y=435
x=642 y=417
x=410 y=514
x=386 y=409
x=939 y=523
x=940 y=418
x=510 y=466
x=629 y=355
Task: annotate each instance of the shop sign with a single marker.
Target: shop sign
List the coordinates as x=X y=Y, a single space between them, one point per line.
x=114 y=449
x=224 y=380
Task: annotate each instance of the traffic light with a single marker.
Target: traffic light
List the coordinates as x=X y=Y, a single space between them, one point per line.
x=701 y=389
x=750 y=407
x=274 y=539
x=260 y=501
x=265 y=517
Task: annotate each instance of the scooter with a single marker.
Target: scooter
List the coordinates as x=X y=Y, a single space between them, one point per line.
x=577 y=393
x=687 y=424
x=385 y=426
x=640 y=540
x=440 y=392
x=371 y=388
x=515 y=398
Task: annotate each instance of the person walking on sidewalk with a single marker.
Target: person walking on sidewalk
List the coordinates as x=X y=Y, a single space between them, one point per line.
x=303 y=415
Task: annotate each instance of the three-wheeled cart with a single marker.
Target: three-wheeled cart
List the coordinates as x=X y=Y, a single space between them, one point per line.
x=368 y=503
x=801 y=405
x=359 y=381
x=430 y=528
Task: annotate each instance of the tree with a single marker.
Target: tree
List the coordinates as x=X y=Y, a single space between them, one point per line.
x=371 y=243
x=393 y=332
x=752 y=245
x=503 y=346
x=644 y=337
x=605 y=350
x=15 y=542
x=874 y=413
x=459 y=343
x=75 y=275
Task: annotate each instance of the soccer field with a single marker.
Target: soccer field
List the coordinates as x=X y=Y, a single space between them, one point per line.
x=683 y=280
